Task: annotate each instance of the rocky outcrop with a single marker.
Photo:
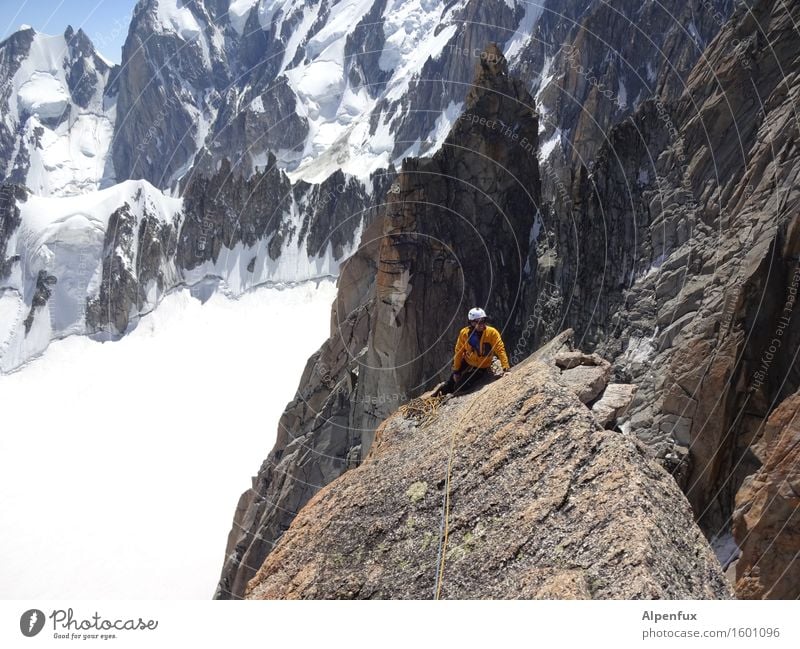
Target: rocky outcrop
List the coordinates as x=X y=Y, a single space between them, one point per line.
x=138 y=255
x=456 y=234
x=10 y=195
x=767 y=517
x=613 y=403
x=87 y=73
x=542 y=503
x=609 y=401
x=586 y=375
x=41 y=295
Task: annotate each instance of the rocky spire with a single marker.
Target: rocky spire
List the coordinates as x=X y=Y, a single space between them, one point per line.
x=453 y=232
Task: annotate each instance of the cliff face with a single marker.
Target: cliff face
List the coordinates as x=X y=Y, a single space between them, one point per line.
x=453 y=232
x=543 y=503
x=767 y=516
x=594 y=63
x=676 y=257
x=456 y=234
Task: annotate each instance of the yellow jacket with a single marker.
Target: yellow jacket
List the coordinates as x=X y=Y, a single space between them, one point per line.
x=491 y=344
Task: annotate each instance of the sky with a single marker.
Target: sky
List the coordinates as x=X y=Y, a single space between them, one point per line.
x=105 y=21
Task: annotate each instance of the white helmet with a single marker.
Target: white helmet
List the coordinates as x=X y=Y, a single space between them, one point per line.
x=476 y=313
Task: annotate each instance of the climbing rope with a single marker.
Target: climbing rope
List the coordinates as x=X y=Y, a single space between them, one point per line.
x=424 y=410
x=444 y=529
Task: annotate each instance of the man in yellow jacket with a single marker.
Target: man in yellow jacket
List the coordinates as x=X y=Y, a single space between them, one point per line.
x=476 y=347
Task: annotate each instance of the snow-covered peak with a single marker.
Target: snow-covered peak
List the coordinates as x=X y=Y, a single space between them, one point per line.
x=239 y=12
x=322 y=65
x=56 y=123
x=323 y=85
x=177 y=16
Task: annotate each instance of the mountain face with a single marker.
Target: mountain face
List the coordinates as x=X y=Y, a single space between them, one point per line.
x=93 y=264
x=58 y=113
x=358 y=85
x=594 y=64
x=698 y=196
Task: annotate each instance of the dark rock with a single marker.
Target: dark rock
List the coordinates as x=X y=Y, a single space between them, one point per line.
x=123 y=288
x=40 y=296
x=9 y=222
x=363 y=50
x=13 y=51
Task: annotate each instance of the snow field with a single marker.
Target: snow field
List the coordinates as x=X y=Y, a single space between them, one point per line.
x=121 y=463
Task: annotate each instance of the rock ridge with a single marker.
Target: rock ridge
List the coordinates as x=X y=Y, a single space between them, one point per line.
x=545 y=504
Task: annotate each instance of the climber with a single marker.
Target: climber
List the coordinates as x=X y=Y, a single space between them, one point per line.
x=476 y=346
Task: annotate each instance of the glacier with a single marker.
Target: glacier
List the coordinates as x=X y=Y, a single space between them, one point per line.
x=146 y=440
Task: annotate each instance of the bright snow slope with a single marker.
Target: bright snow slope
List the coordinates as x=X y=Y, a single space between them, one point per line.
x=120 y=463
